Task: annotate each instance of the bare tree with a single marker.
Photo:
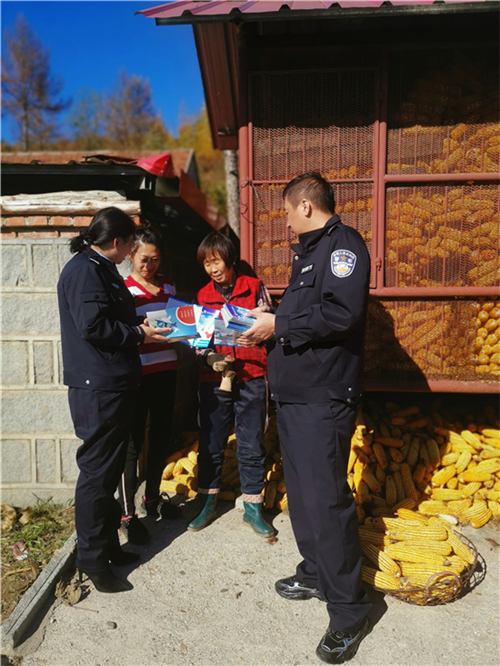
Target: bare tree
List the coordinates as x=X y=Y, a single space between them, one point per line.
x=129 y=112
x=87 y=120
x=31 y=94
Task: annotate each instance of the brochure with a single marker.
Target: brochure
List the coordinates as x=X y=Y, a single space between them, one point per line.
x=178 y=316
x=236 y=318
x=205 y=318
x=225 y=336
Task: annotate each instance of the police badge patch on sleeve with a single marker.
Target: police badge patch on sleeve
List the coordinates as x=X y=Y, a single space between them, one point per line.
x=342 y=263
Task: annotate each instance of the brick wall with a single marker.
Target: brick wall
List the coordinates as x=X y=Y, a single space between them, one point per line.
x=38 y=441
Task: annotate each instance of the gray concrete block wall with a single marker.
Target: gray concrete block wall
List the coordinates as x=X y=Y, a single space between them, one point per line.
x=38 y=440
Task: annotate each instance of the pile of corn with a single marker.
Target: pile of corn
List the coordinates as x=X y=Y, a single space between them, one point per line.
x=401 y=458
x=406 y=551
x=180 y=475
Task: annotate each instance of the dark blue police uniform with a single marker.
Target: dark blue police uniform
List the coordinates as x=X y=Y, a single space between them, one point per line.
x=316 y=378
x=100 y=334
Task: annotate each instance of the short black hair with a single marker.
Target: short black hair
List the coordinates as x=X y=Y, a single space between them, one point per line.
x=216 y=243
x=315 y=188
x=107 y=224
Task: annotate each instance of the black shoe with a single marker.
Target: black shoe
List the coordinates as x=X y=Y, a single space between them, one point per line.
x=121 y=557
x=135 y=531
x=291 y=588
x=165 y=509
x=106 y=581
x=337 y=646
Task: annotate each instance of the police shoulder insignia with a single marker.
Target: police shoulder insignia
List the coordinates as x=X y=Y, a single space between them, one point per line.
x=343 y=262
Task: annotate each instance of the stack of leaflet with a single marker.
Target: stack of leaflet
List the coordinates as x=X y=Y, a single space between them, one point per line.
x=236 y=318
x=204 y=321
x=177 y=316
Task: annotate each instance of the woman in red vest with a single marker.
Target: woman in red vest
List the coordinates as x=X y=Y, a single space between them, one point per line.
x=247 y=399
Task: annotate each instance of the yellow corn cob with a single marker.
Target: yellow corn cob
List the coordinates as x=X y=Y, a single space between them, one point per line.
x=380 y=454
x=433 y=451
x=474 y=475
x=413 y=451
x=443 y=475
x=421 y=581
x=381 y=559
x=490 y=452
x=352 y=460
x=491 y=466
x=446 y=494
x=432 y=507
x=469 y=489
x=379 y=579
x=190 y=466
x=452 y=483
x=408 y=485
x=168 y=471
x=457 y=563
x=191 y=493
x=420 y=569
x=371 y=535
x=380 y=475
x=270 y=495
x=462 y=462
x=431 y=547
x=459 y=505
x=494 y=507
x=406 y=503
x=391 y=496
x=379 y=501
x=471 y=439
x=460 y=548
x=419 y=473
x=173 y=487
x=398 y=480
x=491 y=432
x=179 y=467
x=420 y=533
x=226 y=495
x=182 y=478
x=407 y=552
x=193 y=456
x=458 y=448
x=450 y=459
x=405 y=514
x=283 y=502
x=370 y=480
x=478 y=514
x=493 y=495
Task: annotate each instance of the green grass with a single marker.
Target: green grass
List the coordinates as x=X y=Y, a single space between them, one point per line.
x=49 y=528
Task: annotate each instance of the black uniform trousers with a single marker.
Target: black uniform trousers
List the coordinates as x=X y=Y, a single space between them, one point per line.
x=315 y=442
x=102 y=419
x=157 y=397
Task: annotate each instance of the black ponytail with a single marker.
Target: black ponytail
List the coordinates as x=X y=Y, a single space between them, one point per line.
x=107 y=224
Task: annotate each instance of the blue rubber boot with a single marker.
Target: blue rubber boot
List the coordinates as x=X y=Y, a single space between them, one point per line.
x=253 y=518
x=208 y=512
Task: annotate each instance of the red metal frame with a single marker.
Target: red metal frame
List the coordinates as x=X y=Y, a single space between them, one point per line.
x=381 y=180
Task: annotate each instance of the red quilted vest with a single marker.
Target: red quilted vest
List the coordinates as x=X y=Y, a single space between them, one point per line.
x=249 y=363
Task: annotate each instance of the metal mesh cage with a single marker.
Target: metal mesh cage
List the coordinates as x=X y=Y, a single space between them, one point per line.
x=435 y=339
x=443 y=236
x=443 y=112
x=313 y=121
x=272 y=238
x=309 y=121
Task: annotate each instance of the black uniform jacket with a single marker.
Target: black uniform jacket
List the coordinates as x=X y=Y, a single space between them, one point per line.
x=320 y=322
x=100 y=329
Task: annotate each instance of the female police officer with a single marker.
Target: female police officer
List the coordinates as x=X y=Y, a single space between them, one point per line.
x=100 y=334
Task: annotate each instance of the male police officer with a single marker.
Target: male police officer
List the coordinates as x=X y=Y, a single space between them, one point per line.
x=315 y=375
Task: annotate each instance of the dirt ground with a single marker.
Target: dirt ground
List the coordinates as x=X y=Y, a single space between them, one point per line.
x=208 y=598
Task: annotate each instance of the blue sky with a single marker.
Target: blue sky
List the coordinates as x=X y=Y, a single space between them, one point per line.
x=90 y=41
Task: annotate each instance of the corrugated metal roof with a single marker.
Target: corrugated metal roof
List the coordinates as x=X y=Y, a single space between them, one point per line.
x=202 y=11
x=180 y=158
